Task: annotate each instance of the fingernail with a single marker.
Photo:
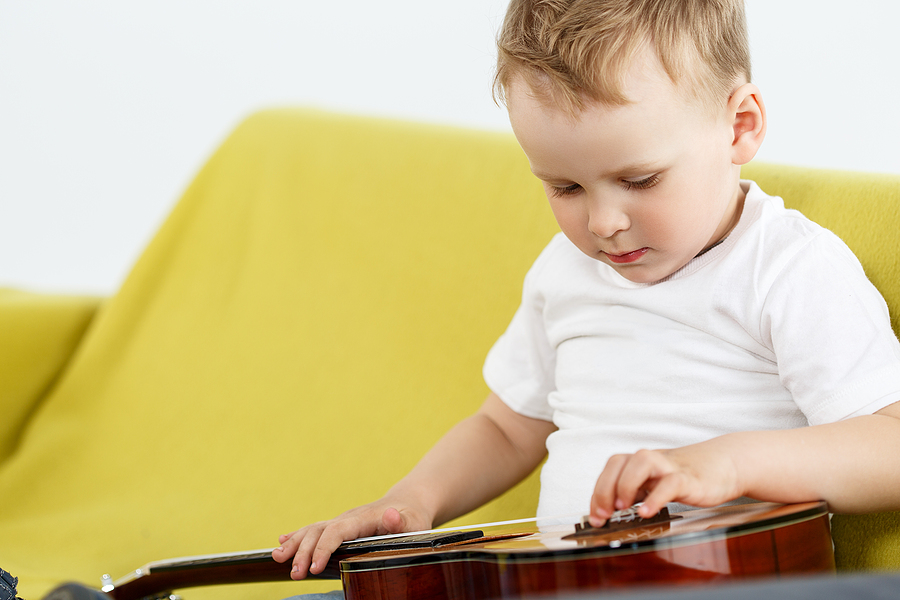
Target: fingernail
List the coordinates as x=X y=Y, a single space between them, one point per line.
x=296 y=569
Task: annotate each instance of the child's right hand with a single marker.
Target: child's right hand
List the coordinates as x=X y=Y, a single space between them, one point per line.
x=312 y=546
x=449 y=481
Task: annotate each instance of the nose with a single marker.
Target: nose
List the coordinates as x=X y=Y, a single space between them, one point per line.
x=607 y=218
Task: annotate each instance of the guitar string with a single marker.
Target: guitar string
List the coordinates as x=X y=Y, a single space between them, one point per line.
x=556 y=520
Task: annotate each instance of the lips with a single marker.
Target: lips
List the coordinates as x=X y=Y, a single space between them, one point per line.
x=628 y=257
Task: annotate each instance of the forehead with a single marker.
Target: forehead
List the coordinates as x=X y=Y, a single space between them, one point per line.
x=643 y=80
x=658 y=122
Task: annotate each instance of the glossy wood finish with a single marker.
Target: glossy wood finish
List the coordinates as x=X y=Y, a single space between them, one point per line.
x=158 y=578
x=155 y=579
x=762 y=540
x=699 y=546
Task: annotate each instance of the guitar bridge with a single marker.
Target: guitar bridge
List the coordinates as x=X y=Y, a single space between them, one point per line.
x=621 y=520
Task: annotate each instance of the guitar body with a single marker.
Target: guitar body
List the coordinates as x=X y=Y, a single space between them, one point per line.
x=700 y=546
x=707 y=545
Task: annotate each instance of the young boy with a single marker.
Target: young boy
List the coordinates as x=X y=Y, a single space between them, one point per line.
x=680 y=308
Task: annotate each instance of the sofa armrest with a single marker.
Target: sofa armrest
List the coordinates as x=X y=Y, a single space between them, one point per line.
x=40 y=332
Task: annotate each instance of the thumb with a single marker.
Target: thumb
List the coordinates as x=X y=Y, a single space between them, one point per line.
x=393 y=521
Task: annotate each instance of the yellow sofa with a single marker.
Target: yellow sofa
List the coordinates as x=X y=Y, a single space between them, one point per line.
x=310 y=319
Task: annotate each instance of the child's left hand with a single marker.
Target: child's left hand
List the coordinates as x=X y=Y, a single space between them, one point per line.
x=700 y=475
x=852 y=464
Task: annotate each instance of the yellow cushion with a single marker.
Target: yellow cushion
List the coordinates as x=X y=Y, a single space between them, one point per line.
x=39 y=334
x=313 y=315
x=310 y=319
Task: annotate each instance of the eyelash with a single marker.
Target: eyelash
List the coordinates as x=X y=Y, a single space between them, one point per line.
x=640 y=184
x=569 y=190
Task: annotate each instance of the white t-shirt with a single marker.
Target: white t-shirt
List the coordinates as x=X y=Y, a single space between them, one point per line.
x=776 y=327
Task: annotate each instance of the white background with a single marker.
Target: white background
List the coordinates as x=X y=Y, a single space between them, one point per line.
x=108 y=108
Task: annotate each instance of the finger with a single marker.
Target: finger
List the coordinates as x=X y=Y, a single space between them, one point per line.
x=640 y=474
x=280 y=554
x=289 y=545
x=604 y=497
x=393 y=521
x=667 y=489
x=329 y=541
x=305 y=548
x=286 y=536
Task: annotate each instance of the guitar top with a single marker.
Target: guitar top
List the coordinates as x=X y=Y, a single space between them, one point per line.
x=634 y=536
x=695 y=546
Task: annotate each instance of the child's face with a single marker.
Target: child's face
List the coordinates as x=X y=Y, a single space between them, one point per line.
x=643 y=187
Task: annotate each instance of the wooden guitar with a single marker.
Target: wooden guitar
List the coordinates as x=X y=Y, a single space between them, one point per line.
x=698 y=546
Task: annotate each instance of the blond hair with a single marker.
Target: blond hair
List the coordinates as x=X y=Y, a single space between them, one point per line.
x=575 y=51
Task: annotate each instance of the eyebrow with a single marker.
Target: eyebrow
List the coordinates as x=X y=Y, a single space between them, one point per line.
x=539 y=175
x=644 y=167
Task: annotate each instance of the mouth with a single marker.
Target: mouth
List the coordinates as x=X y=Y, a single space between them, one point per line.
x=628 y=257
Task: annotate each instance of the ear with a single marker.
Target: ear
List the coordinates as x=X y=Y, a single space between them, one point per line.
x=748 y=114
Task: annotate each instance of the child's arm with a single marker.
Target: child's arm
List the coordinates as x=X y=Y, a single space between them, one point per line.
x=475 y=461
x=852 y=464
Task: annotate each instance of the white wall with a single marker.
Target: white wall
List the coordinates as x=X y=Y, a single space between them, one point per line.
x=108 y=108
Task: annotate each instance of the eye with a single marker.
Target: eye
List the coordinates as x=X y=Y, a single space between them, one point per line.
x=640 y=184
x=559 y=192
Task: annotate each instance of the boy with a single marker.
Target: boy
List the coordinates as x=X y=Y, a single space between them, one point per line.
x=680 y=308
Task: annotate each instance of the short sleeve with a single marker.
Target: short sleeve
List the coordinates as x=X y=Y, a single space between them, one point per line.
x=520 y=367
x=831 y=333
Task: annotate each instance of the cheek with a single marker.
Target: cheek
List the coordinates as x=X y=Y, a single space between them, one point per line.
x=567 y=213
x=670 y=221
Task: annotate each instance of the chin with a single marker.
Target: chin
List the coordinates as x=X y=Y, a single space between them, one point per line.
x=641 y=274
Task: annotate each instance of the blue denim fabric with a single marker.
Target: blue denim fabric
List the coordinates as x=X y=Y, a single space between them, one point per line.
x=8 y=585
x=335 y=595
